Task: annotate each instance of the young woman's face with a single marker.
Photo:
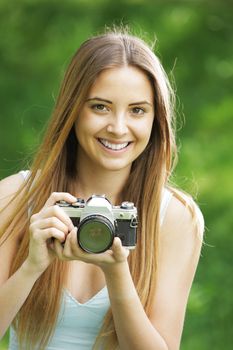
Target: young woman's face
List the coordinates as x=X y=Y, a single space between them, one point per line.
x=114 y=125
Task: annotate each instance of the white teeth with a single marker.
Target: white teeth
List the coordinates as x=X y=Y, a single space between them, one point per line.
x=113 y=146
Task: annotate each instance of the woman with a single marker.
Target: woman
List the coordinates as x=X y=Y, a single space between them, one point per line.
x=111 y=133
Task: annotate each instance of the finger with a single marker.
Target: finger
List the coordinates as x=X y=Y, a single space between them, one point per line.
x=59 y=213
x=117 y=245
x=67 y=249
x=118 y=250
x=76 y=250
x=60 y=196
x=44 y=235
x=53 y=222
x=58 y=249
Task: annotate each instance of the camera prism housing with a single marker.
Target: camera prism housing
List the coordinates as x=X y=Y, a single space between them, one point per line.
x=99 y=222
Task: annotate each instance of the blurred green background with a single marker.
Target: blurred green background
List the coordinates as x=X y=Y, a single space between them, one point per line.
x=194 y=42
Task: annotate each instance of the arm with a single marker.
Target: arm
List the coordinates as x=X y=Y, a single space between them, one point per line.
x=13 y=294
x=15 y=289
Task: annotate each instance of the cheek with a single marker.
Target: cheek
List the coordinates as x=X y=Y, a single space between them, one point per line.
x=82 y=127
x=89 y=124
x=144 y=132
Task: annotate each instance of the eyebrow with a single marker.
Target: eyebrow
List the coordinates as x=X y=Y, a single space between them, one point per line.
x=110 y=102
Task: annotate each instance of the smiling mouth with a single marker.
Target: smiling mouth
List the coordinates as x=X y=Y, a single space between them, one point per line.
x=113 y=146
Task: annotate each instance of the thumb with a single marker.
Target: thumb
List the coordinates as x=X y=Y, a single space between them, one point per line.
x=120 y=252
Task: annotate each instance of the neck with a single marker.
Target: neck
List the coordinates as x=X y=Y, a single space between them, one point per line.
x=98 y=181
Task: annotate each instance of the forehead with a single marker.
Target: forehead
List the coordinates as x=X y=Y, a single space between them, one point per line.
x=127 y=81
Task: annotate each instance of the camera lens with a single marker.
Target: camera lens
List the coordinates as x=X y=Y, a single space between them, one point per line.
x=95 y=234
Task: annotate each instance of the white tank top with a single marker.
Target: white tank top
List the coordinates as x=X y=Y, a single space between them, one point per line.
x=78 y=324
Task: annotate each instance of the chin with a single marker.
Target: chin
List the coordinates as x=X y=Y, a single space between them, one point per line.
x=117 y=167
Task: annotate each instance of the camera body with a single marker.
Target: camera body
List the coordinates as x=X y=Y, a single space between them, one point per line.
x=98 y=222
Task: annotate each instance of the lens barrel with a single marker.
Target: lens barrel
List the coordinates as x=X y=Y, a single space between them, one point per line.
x=95 y=234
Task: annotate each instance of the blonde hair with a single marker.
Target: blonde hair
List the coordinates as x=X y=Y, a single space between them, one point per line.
x=54 y=169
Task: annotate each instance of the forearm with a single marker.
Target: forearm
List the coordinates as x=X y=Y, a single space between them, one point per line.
x=13 y=294
x=133 y=327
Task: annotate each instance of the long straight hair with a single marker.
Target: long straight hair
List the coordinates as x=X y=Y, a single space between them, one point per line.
x=54 y=169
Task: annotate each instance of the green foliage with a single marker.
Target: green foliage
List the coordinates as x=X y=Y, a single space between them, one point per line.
x=193 y=41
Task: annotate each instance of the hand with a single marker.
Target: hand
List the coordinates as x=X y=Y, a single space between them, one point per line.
x=49 y=224
x=71 y=250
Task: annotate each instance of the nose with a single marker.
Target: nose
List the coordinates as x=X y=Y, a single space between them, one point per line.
x=118 y=125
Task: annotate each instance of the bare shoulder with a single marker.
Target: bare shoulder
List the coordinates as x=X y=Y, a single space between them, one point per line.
x=9 y=187
x=183 y=221
x=11 y=184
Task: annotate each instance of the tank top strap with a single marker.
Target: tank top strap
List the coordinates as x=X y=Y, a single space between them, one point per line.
x=25 y=174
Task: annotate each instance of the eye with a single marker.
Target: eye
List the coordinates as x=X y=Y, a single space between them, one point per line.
x=138 y=110
x=99 y=107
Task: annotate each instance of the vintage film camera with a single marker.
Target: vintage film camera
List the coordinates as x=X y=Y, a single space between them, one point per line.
x=98 y=222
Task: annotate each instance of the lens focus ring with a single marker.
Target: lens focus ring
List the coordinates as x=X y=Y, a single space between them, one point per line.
x=95 y=234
